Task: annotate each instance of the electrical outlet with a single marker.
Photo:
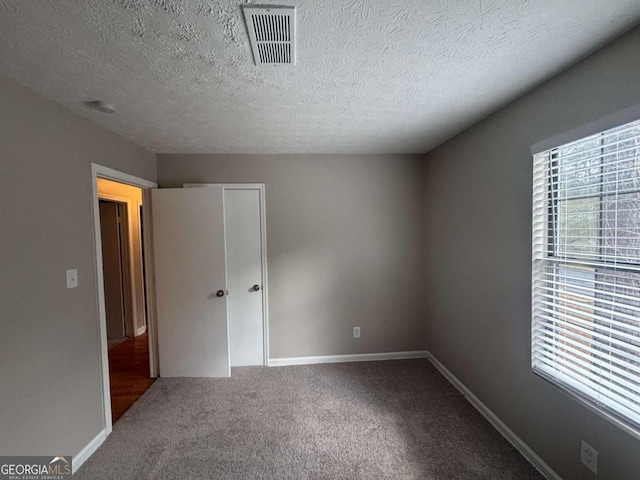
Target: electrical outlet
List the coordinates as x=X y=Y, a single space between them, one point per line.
x=356 y=332
x=589 y=457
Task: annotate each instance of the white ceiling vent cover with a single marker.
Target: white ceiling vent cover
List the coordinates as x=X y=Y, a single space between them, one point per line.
x=272 y=31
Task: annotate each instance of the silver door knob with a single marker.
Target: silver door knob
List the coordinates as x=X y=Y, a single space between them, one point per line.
x=220 y=293
x=255 y=288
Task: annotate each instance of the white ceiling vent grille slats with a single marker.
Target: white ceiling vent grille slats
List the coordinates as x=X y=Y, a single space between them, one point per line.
x=272 y=34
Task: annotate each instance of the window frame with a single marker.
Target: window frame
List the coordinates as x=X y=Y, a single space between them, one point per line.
x=574 y=388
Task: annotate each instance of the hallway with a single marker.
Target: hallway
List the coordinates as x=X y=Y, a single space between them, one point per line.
x=128 y=373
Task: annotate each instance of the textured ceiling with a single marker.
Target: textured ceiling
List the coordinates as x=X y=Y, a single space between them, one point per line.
x=373 y=76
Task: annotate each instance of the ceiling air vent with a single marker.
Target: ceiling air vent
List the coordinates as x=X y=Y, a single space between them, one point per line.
x=272 y=31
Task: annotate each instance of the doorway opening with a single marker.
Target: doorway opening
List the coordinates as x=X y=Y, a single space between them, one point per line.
x=124 y=293
x=125 y=300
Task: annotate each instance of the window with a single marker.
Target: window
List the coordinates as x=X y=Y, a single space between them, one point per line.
x=586 y=270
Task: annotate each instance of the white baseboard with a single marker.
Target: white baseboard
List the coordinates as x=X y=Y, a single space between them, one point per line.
x=506 y=432
x=88 y=450
x=359 y=357
x=141 y=330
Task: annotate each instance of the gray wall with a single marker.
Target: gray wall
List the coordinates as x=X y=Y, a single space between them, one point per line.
x=343 y=241
x=50 y=387
x=478 y=244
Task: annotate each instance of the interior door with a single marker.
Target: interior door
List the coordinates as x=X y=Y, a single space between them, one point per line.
x=190 y=264
x=114 y=294
x=244 y=271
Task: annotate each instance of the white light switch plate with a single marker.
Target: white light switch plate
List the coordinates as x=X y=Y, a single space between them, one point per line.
x=72 y=278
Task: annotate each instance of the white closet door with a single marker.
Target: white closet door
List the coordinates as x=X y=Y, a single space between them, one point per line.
x=244 y=267
x=188 y=234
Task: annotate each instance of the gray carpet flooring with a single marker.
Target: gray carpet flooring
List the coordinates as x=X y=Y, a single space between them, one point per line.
x=370 y=420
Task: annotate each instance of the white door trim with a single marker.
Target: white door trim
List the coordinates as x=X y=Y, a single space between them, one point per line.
x=263 y=248
x=99 y=171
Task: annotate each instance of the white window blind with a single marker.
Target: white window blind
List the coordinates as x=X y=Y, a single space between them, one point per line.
x=586 y=270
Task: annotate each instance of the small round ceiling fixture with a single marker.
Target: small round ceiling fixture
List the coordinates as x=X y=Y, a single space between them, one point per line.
x=104 y=107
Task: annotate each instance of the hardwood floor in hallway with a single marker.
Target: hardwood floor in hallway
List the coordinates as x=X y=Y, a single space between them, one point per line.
x=128 y=373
